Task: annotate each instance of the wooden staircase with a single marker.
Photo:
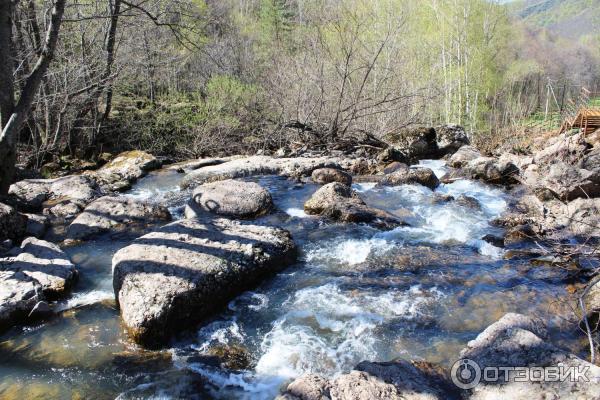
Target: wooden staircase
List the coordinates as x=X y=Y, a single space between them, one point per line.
x=581 y=114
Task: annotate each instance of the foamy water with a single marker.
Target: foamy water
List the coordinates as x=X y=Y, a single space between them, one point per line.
x=356 y=293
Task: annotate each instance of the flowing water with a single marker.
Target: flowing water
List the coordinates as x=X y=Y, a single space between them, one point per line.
x=357 y=293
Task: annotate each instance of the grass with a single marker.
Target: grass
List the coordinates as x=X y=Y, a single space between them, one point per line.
x=540 y=120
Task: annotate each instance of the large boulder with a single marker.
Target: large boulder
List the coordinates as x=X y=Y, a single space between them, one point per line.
x=341 y=203
x=231 y=198
x=123 y=170
x=108 y=213
x=491 y=170
x=328 y=175
x=450 y=138
x=562 y=148
x=398 y=380
x=35 y=272
x=411 y=176
x=171 y=279
x=520 y=341
x=591 y=161
x=258 y=165
x=415 y=143
x=30 y=194
x=569 y=182
x=463 y=156
x=13 y=225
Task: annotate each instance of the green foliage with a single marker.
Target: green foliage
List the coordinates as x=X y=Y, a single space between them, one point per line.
x=174 y=125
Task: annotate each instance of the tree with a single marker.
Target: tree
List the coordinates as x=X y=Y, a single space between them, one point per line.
x=18 y=112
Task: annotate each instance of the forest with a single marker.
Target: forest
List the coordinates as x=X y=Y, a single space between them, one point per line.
x=189 y=78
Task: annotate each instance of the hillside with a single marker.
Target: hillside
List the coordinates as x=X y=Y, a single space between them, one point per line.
x=570 y=18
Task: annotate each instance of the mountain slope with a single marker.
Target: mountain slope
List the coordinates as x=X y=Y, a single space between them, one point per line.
x=569 y=18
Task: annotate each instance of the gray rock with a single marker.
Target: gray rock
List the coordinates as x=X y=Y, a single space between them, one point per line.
x=60 y=197
x=340 y=203
x=12 y=224
x=441 y=198
x=469 y=202
x=491 y=170
x=570 y=182
x=170 y=279
x=414 y=143
x=591 y=161
x=37 y=271
x=328 y=175
x=563 y=148
x=109 y=213
x=126 y=168
x=450 y=138
x=30 y=194
x=520 y=341
x=231 y=198
x=258 y=165
x=463 y=156
x=199 y=163
x=411 y=176
x=393 y=167
x=580 y=217
x=398 y=380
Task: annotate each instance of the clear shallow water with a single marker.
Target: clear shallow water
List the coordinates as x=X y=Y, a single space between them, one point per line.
x=357 y=293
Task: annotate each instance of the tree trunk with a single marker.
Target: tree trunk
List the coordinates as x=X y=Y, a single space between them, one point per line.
x=110 y=55
x=19 y=114
x=7 y=100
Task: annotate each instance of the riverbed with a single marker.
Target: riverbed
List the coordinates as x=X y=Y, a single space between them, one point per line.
x=356 y=293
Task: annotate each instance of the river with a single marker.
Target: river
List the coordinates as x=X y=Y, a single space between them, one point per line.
x=356 y=293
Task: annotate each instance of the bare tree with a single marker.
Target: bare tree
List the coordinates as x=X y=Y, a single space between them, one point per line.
x=18 y=113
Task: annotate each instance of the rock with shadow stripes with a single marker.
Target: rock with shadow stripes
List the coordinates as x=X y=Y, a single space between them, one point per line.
x=38 y=271
x=230 y=198
x=171 y=279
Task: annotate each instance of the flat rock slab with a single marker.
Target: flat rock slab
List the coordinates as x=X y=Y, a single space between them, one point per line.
x=37 y=271
x=118 y=174
x=231 y=198
x=258 y=165
x=108 y=213
x=171 y=279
